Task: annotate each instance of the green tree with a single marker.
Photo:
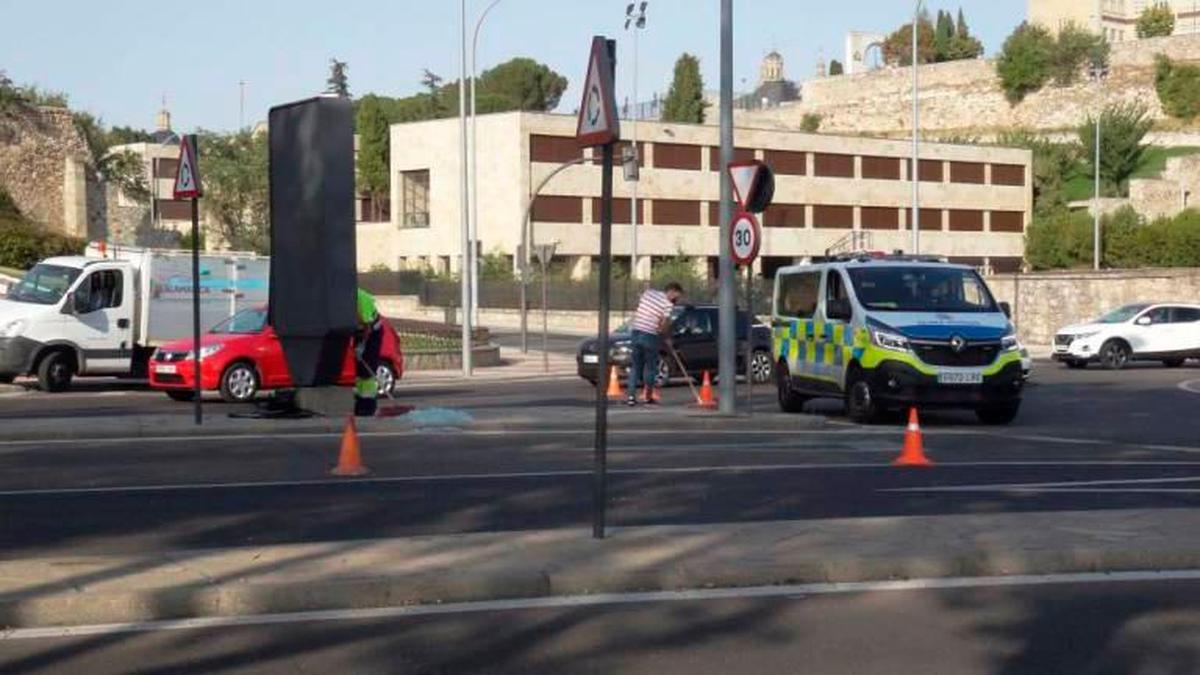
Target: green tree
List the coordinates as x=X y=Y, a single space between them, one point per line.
x=1122 y=129
x=524 y=84
x=1024 y=62
x=235 y=188
x=943 y=35
x=126 y=135
x=897 y=48
x=1178 y=87
x=1053 y=164
x=963 y=45
x=373 y=151
x=1074 y=50
x=836 y=68
x=811 y=122
x=338 y=81
x=685 y=100
x=1156 y=20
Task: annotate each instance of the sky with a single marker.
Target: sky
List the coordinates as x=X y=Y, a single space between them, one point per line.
x=119 y=64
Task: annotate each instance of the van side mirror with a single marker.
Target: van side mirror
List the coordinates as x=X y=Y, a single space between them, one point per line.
x=1144 y=321
x=1006 y=308
x=838 y=310
x=68 y=306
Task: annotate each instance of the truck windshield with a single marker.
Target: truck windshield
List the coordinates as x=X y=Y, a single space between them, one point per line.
x=44 y=284
x=921 y=289
x=245 y=322
x=1122 y=314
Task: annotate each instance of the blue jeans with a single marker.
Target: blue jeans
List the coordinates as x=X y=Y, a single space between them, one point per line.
x=644 y=360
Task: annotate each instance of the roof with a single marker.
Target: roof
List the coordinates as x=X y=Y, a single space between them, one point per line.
x=77 y=261
x=890 y=261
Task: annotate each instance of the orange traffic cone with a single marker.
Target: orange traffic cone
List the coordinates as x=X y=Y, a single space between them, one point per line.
x=913 y=453
x=349 y=456
x=614 y=385
x=707 y=398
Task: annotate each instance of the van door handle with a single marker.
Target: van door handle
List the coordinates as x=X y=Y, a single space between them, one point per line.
x=122 y=323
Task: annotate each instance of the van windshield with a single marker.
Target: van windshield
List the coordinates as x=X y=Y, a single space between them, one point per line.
x=921 y=289
x=44 y=284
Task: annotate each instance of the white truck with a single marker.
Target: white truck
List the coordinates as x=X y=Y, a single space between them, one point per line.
x=104 y=312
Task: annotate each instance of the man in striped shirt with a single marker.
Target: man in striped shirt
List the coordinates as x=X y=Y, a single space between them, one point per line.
x=650 y=323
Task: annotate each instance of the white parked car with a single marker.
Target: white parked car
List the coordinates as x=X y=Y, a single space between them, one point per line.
x=1168 y=332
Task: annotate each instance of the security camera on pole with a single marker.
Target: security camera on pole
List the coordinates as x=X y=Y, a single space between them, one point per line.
x=187 y=186
x=754 y=188
x=599 y=125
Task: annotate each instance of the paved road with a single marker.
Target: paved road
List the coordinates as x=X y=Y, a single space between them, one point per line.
x=1131 y=628
x=557 y=343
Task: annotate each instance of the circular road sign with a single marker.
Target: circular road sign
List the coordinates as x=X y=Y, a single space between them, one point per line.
x=746 y=237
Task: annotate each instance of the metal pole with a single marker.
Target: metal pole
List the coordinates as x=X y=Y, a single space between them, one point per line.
x=633 y=202
x=749 y=339
x=545 y=320
x=196 y=300
x=600 y=457
x=727 y=315
x=464 y=212
x=1096 y=203
x=524 y=303
x=916 y=140
x=473 y=180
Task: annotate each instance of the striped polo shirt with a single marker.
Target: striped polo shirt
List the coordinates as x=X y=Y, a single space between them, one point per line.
x=652 y=309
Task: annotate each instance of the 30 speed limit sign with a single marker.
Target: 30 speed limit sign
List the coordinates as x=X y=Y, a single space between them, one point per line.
x=746 y=238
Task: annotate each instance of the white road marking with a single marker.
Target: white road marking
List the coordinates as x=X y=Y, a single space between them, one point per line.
x=792 y=592
x=1190 y=386
x=1047 y=486
x=574 y=473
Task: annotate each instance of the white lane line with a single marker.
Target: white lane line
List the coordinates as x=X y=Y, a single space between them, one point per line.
x=1026 y=487
x=792 y=592
x=574 y=473
x=1190 y=386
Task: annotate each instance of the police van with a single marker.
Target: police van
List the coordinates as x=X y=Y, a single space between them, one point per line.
x=885 y=332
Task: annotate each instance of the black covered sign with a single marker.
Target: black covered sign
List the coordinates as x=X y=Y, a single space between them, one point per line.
x=313 y=275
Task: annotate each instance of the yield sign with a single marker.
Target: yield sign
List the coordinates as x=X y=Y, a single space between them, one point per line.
x=744 y=176
x=598 y=121
x=753 y=185
x=187 y=176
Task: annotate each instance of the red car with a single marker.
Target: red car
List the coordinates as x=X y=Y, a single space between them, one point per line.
x=242 y=356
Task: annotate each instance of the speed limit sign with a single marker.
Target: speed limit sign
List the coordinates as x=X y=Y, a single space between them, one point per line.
x=746 y=238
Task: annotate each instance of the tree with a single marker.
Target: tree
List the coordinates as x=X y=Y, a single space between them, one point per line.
x=525 y=84
x=338 y=82
x=373 y=151
x=943 y=35
x=1053 y=164
x=1156 y=20
x=963 y=45
x=126 y=135
x=897 y=48
x=1178 y=87
x=1024 y=62
x=1122 y=129
x=235 y=188
x=836 y=68
x=1075 y=49
x=685 y=100
x=811 y=122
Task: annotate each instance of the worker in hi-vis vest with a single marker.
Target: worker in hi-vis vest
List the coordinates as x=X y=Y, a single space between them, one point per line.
x=368 y=341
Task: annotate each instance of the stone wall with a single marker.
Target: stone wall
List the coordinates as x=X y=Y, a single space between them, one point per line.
x=964 y=97
x=1044 y=302
x=44 y=166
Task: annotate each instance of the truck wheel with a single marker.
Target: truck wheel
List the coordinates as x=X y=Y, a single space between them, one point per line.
x=1114 y=355
x=239 y=383
x=181 y=396
x=861 y=405
x=789 y=400
x=999 y=413
x=55 y=372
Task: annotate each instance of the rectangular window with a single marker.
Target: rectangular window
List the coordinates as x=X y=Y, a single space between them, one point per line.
x=837 y=166
x=414 y=196
x=551 y=209
x=1008 y=221
x=880 y=218
x=786 y=163
x=676 y=212
x=372 y=210
x=963 y=220
x=165 y=168
x=833 y=217
x=714 y=213
x=621 y=211
x=784 y=215
x=798 y=294
x=1006 y=265
x=1008 y=174
x=101 y=290
x=553 y=149
x=931 y=219
x=1185 y=315
x=739 y=155
x=931 y=170
x=677 y=156
x=174 y=209
x=881 y=168
x=967 y=172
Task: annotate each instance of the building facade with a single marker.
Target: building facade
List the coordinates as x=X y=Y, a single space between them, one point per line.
x=145 y=224
x=1115 y=19
x=975 y=201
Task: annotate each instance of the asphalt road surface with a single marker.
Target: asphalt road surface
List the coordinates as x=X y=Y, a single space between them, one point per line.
x=1085 y=440
x=1130 y=628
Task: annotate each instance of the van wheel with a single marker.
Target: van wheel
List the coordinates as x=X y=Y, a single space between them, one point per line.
x=55 y=372
x=999 y=413
x=789 y=400
x=239 y=383
x=861 y=405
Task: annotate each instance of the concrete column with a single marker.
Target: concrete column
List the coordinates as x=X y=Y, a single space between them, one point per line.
x=74 y=192
x=581 y=267
x=987 y=221
x=857 y=217
x=700 y=264
x=808 y=215
x=644 y=267
x=858 y=163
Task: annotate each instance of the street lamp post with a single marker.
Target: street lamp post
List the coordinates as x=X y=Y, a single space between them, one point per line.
x=916 y=138
x=473 y=180
x=464 y=267
x=636 y=19
x=1098 y=73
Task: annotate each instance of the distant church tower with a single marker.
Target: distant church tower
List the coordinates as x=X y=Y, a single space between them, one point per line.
x=772 y=68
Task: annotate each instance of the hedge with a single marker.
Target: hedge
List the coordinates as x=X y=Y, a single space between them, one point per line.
x=1064 y=240
x=22 y=245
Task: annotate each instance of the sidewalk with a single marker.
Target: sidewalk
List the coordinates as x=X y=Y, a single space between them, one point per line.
x=473 y=567
x=515 y=366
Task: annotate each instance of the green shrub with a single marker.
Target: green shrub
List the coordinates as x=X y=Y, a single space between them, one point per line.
x=1122 y=129
x=1178 y=87
x=811 y=122
x=22 y=245
x=1064 y=240
x=1156 y=20
x=1024 y=63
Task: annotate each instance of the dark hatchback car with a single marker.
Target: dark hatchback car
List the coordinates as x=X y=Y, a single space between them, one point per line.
x=694 y=331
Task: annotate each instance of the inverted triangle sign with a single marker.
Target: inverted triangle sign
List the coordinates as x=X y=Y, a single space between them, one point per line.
x=598 y=123
x=187 y=176
x=744 y=177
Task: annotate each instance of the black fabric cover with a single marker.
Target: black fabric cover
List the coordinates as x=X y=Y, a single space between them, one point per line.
x=313 y=276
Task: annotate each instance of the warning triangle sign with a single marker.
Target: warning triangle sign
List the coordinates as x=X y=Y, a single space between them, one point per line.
x=187 y=176
x=744 y=177
x=598 y=122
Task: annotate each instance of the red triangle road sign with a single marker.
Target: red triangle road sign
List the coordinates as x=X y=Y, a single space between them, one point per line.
x=187 y=175
x=598 y=120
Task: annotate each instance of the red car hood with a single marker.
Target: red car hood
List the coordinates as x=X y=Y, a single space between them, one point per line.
x=185 y=345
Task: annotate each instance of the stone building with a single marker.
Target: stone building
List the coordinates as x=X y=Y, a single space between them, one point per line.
x=1115 y=19
x=159 y=221
x=976 y=201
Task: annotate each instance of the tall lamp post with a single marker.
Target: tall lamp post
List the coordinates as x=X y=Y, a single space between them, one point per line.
x=637 y=19
x=473 y=180
x=464 y=266
x=1098 y=73
x=916 y=138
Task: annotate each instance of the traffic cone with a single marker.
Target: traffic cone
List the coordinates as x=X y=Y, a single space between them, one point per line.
x=349 y=456
x=614 y=386
x=913 y=453
x=707 y=398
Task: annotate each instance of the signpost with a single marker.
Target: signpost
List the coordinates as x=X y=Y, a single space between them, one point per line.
x=754 y=188
x=187 y=186
x=599 y=125
x=545 y=253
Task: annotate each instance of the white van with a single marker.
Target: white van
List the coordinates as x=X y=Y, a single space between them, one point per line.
x=888 y=332
x=103 y=313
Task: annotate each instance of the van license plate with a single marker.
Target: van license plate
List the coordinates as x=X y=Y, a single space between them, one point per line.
x=960 y=378
x=165 y=369
x=591 y=358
